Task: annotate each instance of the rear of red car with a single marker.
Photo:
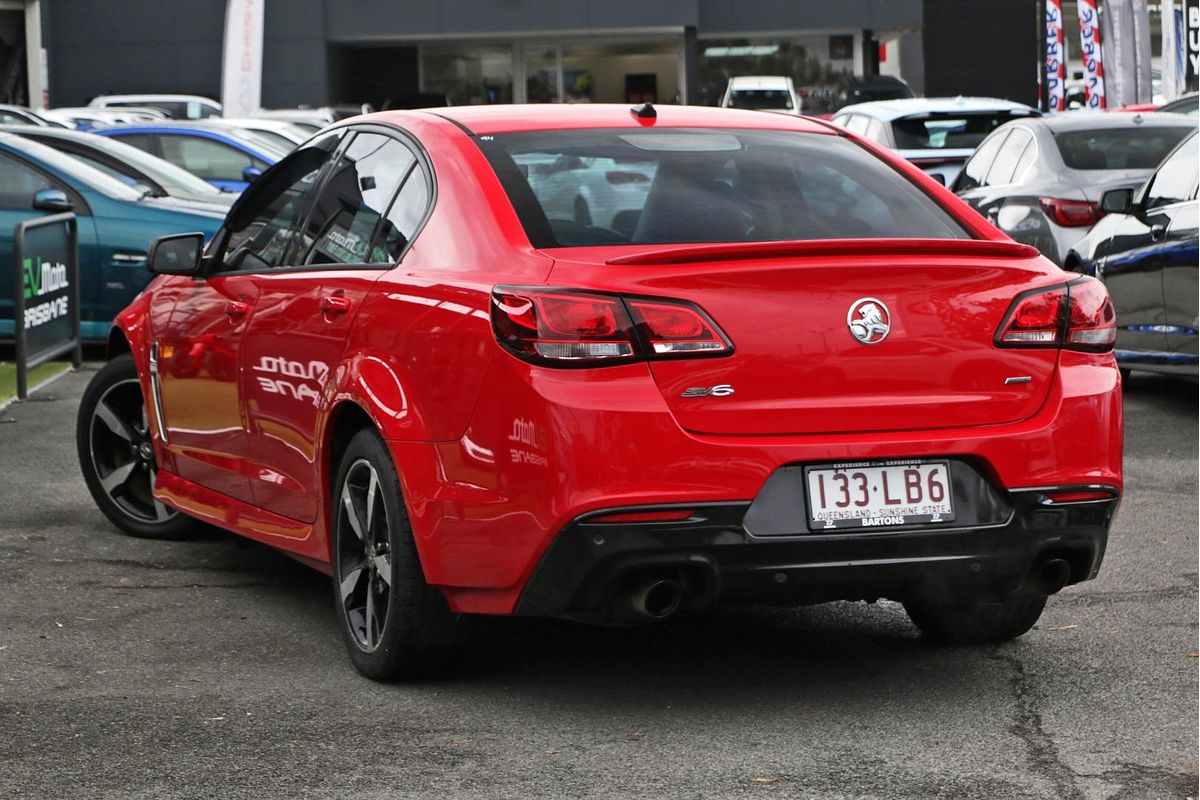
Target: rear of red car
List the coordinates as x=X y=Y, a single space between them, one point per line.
x=791 y=370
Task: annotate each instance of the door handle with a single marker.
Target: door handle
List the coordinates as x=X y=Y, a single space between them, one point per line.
x=335 y=304
x=236 y=309
x=1158 y=233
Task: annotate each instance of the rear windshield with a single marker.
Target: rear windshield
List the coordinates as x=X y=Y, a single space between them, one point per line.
x=959 y=131
x=777 y=99
x=1118 y=148
x=577 y=188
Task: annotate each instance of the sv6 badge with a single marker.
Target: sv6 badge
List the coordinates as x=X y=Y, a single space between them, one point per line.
x=720 y=390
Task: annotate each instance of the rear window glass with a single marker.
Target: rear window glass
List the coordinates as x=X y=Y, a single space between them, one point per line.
x=962 y=131
x=673 y=186
x=760 y=98
x=1118 y=148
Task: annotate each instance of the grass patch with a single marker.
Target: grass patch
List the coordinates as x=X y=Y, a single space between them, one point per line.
x=8 y=377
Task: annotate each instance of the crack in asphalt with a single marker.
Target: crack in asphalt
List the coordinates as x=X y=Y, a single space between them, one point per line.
x=1099 y=598
x=1044 y=757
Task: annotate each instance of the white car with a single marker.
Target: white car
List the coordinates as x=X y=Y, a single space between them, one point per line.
x=285 y=134
x=86 y=119
x=178 y=106
x=762 y=93
x=938 y=134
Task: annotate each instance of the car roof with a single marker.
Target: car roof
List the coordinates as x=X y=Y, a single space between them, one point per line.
x=226 y=133
x=155 y=98
x=911 y=106
x=1100 y=120
x=539 y=117
x=759 y=82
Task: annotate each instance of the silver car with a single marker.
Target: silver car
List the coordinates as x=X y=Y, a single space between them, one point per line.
x=1040 y=180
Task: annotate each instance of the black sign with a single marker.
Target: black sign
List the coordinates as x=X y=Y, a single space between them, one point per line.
x=1191 y=43
x=46 y=293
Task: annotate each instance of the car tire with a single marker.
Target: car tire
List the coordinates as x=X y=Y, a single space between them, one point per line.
x=977 y=622
x=116 y=456
x=376 y=567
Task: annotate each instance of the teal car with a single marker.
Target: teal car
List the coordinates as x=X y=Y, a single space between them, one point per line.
x=116 y=225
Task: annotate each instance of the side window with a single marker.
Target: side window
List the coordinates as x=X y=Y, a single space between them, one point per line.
x=403 y=217
x=352 y=202
x=857 y=123
x=261 y=224
x=876 y=132
x=18 y=182
x=209 y=159
x=1173 y=181
x=142 y=141
x=1025 y=163
x=1004 y=167
x=977 y=166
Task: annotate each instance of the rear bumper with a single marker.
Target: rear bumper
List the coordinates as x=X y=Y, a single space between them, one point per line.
x=589 y=566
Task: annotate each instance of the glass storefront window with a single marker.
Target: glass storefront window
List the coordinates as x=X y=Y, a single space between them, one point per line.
x=822 y=67
x=468 y=74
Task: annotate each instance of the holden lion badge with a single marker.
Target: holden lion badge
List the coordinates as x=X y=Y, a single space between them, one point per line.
x=869 y=320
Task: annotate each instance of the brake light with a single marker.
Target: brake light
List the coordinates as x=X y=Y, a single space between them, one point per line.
x=1083 y=496
x=1070 y=213
x=618 y=177
x=569 y=327
x=1077 y=316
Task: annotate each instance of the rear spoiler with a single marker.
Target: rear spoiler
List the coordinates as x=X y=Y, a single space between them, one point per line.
x=741 y=251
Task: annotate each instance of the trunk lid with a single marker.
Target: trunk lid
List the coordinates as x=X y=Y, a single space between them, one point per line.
x=797 y=367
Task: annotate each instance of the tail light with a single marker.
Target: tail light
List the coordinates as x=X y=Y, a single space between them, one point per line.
x=1075 y=316
x=1071 y=213
x=568 y=327
x=618 y=177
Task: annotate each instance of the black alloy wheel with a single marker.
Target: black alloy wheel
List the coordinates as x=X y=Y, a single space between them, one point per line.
x=116 y=454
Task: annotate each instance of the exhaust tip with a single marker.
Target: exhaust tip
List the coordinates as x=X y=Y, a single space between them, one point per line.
x=657 y=599
x=1053 y=576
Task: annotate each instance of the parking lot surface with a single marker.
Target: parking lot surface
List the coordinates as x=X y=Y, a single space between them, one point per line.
x=213 y=668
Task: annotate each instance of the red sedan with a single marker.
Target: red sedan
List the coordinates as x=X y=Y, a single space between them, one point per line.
x=752 y=358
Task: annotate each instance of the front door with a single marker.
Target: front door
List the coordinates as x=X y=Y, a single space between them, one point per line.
x=298 y=333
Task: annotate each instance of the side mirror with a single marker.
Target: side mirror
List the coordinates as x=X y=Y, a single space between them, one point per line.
x=177 y=254
x=52 y=200
x=1117 y=201
x=251 y=174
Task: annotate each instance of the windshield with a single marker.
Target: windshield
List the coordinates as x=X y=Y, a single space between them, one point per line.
x=776 y=99
x=174 y=180
x=1118 y=148
x=77 y=170
x=949 y=132
x=672 y=186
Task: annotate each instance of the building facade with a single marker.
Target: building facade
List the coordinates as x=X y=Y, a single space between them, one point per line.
x=397 y=53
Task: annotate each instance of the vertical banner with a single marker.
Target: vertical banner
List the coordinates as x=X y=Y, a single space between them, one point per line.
x=1093 y=62
x=241 y=64
x=1174 y=66
x=1125 y=29
x=1056 y=58
x=1191 y=37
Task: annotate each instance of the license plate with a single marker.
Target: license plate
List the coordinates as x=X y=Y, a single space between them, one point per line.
x=874 y=495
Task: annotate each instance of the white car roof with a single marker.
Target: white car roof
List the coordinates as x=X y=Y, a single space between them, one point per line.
x=104 y=99
x=759 y=82
x=888 y=110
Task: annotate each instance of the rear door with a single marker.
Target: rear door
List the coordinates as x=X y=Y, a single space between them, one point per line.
x=1172 y=193
x=365 y=212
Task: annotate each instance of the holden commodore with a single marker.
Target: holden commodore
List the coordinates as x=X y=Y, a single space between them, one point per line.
x=801 y=371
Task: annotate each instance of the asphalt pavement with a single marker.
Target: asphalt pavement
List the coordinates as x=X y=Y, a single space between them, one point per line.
x=212 y=668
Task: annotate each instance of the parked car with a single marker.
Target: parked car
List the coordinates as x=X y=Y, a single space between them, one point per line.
x=1146 y=251
x=128 y=164
x=20 y=115
x=762 y=93
x=90 y=119
x=285 y=135
x=938 y=134
x=1040 y=180
x=228 y=158
x=805 y=376
x=1189 y=104
x=116 y=225
x=311 y=118
x=176 y=106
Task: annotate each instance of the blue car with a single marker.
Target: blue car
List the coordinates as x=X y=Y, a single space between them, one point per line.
x=116 y=225
x=228 y=158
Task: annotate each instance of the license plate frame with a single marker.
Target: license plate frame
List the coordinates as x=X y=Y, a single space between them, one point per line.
x=925 y=512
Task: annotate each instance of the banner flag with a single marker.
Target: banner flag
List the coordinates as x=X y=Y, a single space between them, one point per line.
x=1093 y=62
x=1056 y=58
x=241 y=64
x=1125 y=29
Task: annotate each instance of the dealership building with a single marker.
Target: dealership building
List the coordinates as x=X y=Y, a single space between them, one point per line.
x=411 y=52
